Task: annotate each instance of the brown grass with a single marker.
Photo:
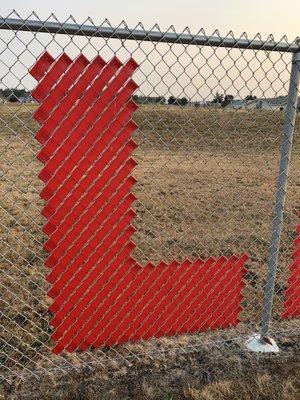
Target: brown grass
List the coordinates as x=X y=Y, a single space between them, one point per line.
x=206 y=184
x=214 y=373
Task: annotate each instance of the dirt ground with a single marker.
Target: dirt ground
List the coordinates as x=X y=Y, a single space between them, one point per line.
x=214 y=373
x=206 y=184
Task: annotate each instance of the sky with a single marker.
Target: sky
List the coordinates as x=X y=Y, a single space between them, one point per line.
x=279 y=17
x=190 y=73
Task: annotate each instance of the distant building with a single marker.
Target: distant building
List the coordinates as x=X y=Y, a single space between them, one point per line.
x=27 y=99
x=274 y=104
x=247 y=104
x=201 y=103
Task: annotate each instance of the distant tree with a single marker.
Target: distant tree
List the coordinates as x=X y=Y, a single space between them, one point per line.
x=227 y=100
x=183 y=101
x=148 y=99
x=136 y=98
x=250 y=97
x=171 y=100
x=13 y=95
x=178 y=102
x=218 y=99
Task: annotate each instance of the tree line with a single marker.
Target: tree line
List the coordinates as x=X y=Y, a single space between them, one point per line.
x=180 y=101
x=14 y=95
x=225 y=99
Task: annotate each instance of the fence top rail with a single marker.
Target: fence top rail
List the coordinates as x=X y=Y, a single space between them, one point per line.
x=146 y=35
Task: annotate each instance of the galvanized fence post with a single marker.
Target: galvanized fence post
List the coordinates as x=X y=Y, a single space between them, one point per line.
x=286 y=149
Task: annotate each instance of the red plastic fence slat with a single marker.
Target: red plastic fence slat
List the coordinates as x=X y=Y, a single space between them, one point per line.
x=139 y=278
x=100 y=238
x=58 y=319
x=101 y=128
x=140 y=302
x=163 y=287
x=119 y=133
x=39 y=69
x=58 y=242
x=56 y=137
x=103 y=162
x=191 y=325
x=85 y=307
x=99 y=165
x=224 y=290
x=152 y=314
x=222 y=316
x=131 y=327
x=79 y=304
x=100 y=294
x=106 y=307
x=109 y=304
x=292 y=309
x=292 y=293
x=107 y=229
x=91 y=193
x=90 y=314
x=188 y=289
x=80 y=329
x=92 y=105
x=49 y=80
x=226 y=313
x=207 y=292
x=296 y=253
x=67 y=104
x=58 y=92
x=78 y=316
x=74 y=250
x=104 y=336
x=66 y=291
x=188 y=293
x=87 y=185
x=85 y=216
x=186 y=281
x=106 y=324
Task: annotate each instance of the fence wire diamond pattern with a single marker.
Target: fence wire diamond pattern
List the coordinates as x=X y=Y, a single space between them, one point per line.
x=153 y=157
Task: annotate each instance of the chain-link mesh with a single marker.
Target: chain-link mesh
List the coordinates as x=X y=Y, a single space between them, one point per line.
x=209 y=119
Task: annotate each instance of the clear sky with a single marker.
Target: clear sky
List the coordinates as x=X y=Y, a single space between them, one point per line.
x=279 y=17
x=195 y=73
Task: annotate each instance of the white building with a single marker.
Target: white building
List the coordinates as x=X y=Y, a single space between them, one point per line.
x=275 y=103
x=246 y=104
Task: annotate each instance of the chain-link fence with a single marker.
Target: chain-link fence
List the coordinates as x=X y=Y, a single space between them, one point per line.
x=141 y=166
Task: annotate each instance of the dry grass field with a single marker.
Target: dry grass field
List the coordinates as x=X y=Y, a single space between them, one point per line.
x=206 y=185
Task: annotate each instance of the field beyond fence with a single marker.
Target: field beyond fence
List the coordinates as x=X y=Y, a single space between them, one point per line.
x=206 y=181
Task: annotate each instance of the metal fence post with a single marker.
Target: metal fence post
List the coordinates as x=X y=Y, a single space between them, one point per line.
x=286 y=149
